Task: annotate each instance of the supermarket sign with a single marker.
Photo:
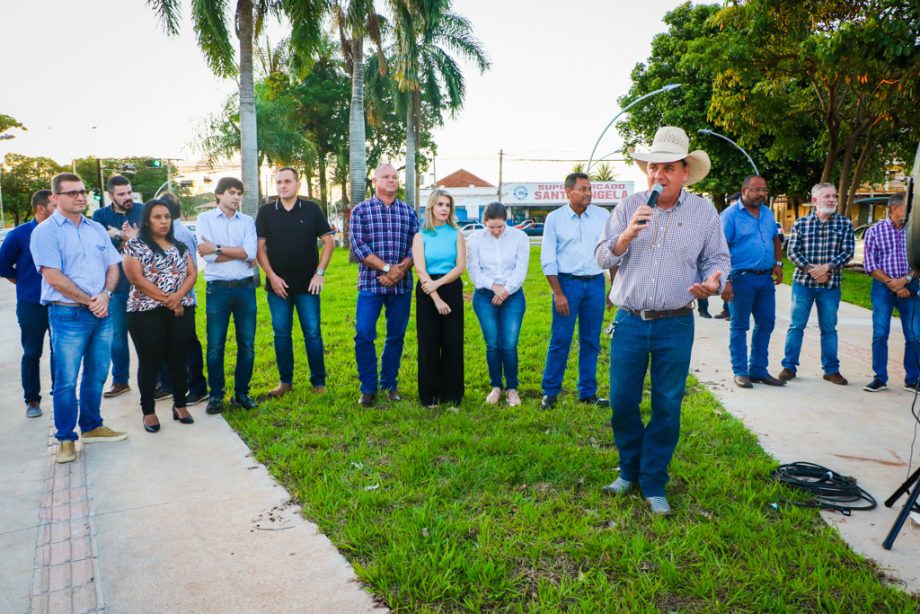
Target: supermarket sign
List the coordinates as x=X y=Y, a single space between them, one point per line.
x=606 y=193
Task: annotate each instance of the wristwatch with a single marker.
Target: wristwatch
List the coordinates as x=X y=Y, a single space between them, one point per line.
x=320 y=272
x=779 y=263
x=109 y=293
x=218 y=251
x=386 y=268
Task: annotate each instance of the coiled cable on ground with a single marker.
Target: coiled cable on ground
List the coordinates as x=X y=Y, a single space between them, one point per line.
x=829 y=489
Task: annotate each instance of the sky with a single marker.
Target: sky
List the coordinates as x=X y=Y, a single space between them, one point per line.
x=102 y=78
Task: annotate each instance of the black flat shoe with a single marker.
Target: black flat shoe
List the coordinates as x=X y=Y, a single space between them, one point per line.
x=184 y=420
x=151 y=428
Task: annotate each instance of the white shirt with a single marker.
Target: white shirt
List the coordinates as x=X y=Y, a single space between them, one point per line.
x=237 y=231
x=501 y=260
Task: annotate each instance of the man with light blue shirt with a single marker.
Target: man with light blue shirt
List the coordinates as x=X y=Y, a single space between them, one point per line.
x=577 y=283
x=227 y=242
x=757 y=267
x=79 y=268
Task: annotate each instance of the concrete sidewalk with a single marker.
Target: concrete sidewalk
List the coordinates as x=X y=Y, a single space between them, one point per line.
x=179 y=521
x=865 y=435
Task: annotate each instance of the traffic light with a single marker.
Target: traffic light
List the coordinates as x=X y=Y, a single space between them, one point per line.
x=156 y=163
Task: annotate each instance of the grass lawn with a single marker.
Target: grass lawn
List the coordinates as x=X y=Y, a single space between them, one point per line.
x=481 y=508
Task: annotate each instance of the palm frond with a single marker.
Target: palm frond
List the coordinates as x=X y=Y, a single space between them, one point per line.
x=169 y=12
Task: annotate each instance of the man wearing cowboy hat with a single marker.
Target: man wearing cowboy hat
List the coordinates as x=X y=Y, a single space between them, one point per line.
x=667 y=257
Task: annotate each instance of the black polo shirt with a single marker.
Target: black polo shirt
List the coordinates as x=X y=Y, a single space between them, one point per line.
x=291 y=240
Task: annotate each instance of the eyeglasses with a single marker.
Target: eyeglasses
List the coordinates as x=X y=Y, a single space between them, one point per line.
x=73 y=193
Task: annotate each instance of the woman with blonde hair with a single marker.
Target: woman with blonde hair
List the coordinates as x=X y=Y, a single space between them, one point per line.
x=439 y=254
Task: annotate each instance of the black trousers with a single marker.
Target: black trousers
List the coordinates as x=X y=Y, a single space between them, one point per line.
x=440 y=345
x=159 y=335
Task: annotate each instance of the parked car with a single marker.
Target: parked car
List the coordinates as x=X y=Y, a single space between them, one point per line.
x=524 y=224
x=860 y=251
x=470 y=229
x=782 y=235
x=534 y=230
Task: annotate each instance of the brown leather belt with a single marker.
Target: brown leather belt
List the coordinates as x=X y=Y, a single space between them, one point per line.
x=661 y=315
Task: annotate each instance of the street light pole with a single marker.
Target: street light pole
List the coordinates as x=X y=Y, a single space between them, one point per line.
x=3 y=137
x=666 y=88
x=708 y=132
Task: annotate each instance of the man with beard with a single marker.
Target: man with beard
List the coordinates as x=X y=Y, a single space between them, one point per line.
x=821 y=244
x=894 y=285
x=121 y=220
x=753 y=242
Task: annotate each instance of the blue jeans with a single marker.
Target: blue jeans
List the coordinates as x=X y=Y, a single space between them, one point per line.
x=222 y=301
x=646 y=450
x=33 y=324
x=282 y=310
x=754 y=295
x=827 y=301
x=501 y=328
x=884 y=301
x=77 y=336
x=398 y=307
x=586 y=302
x=121 y=358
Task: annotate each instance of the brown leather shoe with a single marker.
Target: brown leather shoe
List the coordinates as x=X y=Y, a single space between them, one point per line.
x=836 y=378
x=787 y=374
x=367 y=400
x=393 y=395
x=743 y=381
x=279 y=391
x=769 y=380
x=116 y=390
x=319 y=390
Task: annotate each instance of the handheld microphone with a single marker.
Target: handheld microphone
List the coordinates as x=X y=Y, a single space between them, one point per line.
x=652 y=199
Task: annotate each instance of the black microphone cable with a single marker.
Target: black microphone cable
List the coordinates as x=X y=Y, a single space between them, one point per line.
x=829 y=489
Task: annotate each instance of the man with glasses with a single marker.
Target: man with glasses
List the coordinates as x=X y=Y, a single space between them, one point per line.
x=17 y=266
x=79 y=268
x=121 y=220
x=757 y=267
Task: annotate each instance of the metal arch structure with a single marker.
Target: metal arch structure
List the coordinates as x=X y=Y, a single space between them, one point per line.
x=709 y=132
x=666 y=88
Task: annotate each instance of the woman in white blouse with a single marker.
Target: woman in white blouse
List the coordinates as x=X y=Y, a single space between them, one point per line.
x=497 y=258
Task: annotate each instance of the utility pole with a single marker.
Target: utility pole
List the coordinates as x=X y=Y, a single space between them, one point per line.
x=501 y=156
x=101 y=184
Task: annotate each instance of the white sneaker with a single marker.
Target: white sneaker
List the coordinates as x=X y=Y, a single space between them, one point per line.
x=513 y=398
x=493 y=397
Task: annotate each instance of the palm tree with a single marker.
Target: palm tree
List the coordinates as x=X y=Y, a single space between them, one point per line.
x=428 y=37
x=211 y=19
x=603 y=172
x=356 y=21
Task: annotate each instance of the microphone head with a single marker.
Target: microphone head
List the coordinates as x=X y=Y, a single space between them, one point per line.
x=657 y=188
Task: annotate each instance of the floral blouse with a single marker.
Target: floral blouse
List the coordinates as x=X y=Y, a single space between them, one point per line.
x=167 y=272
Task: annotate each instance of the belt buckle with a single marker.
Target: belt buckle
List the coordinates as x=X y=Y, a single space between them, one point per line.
x=643 y=316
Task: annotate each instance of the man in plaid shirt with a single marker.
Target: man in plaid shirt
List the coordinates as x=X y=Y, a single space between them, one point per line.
x=893 y=285
x=382 y=229
x=821 y=244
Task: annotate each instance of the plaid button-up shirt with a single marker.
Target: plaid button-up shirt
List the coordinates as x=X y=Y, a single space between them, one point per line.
x=886 y=249
x=683 y=245
x=814 y=242
x=387 y=232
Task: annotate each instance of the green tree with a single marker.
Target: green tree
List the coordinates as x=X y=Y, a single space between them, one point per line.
x=211 y=21
x=21 y=177
x=7 y=123
x=603 y=172
x=850 y=68
x=428 y=39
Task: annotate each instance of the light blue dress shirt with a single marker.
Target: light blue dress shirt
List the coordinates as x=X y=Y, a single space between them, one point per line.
x=569 y=240
x=750 y=239
x=82 y=252
x=236 y=231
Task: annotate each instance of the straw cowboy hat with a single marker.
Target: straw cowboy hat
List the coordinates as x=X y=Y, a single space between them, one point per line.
x=670 y=145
